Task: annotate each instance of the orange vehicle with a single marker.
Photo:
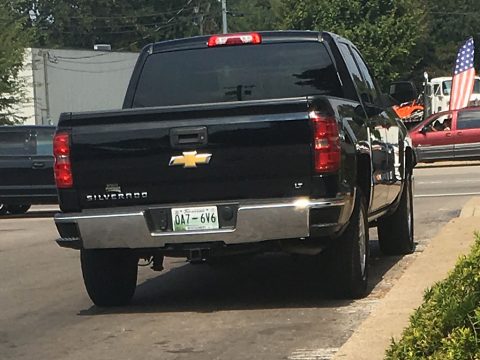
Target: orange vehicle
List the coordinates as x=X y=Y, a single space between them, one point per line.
x=406 y=110
x=411 y=113
x=410 y=108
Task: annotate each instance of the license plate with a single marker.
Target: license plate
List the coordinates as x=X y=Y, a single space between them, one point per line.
x=197 y=218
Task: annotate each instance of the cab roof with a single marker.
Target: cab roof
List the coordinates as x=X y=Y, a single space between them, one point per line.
x=199 y=42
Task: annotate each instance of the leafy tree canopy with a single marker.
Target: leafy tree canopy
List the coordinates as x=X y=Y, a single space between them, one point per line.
x=450 y=24
x=13 y=40
x=254 y=15
x=124 y=24
x=387 y=32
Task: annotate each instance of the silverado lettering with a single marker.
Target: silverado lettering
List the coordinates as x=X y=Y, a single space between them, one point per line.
x=117 y=196
x=304 y=154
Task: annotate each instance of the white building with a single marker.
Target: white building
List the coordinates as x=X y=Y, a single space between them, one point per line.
x=59 y=81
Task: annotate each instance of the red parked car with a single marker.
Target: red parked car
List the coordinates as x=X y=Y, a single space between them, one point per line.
x=448 y=135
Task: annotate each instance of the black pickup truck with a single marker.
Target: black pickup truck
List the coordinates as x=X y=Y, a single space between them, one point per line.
x=26 y=168
x=235 y=144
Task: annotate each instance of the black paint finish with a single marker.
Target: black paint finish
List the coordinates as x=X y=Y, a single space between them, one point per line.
x=260 y=148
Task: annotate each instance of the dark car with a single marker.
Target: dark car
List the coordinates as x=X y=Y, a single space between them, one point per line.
x=26 y=167
x=448 y=135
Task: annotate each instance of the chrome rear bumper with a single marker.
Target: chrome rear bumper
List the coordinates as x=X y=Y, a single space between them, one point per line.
x=256 y=221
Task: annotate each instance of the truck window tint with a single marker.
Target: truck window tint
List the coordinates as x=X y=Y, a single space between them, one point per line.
x=352 y=67
x=468 y=120
x=372 y=89
x=446 y=87
x=15 y=143
x=236 y=73
x=44 y=142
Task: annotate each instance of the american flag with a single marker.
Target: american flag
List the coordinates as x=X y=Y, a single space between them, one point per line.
x=463 y=77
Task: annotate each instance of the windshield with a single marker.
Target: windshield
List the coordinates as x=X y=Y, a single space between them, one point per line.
x=237 y=73
x=447 y=87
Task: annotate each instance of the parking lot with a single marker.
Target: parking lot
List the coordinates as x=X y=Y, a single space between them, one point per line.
x=266 y=307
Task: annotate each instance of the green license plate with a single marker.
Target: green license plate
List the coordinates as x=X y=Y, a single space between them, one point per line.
x=197 y=218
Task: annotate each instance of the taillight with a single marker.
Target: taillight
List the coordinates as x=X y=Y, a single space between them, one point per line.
x=326 y=142
x=234 y=39
x=62 y=167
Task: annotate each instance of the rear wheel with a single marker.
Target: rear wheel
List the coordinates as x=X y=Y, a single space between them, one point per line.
x=110 y=276
x=395 y=232
x=17 y=209
x=348 y=255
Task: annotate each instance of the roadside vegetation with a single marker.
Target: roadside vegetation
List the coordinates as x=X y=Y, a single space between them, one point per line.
x=14 y=37
x=447 y=325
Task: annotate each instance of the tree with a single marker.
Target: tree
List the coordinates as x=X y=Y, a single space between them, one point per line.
x=249 y=15
x=124 y=24
x=451 y=23
x=389 y=33
x=13 y=40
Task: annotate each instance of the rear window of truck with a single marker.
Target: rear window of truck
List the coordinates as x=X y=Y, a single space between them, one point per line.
x=237 y=73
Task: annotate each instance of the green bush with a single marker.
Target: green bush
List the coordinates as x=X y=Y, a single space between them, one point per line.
x=447 y=325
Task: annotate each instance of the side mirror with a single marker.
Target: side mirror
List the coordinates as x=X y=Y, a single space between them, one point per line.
x=424 y=130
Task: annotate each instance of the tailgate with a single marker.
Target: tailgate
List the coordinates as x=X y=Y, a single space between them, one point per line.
x=258 y=150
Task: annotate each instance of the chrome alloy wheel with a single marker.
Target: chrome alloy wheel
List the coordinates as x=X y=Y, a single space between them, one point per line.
x=409 y=211
x=362 y=244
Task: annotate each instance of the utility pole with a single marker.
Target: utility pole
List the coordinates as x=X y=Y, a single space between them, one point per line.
x=224 y=16
x=45 y=81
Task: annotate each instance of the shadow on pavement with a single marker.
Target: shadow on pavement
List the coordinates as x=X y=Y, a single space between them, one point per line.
x=270 y=281
x=31 y=215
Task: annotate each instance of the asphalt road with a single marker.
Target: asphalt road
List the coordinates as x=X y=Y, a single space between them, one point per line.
x=267 y=307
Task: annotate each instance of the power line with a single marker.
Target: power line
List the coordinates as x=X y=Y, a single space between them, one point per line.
x=157 y=29
x=141 y=27
x=54 y=60
x=88 y=71
x=129 y=16
x=138 y=25
x=82 y=57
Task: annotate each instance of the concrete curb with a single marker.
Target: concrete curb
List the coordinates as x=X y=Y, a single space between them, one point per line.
x=440 y=164
x=392 y=314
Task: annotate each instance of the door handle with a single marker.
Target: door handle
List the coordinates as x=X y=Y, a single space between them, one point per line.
x=448 y=134
x=459 y=133
x=185 y=137
x=38 y=165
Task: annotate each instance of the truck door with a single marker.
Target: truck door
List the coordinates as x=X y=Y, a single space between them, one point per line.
x=392 y=156
x=42 y=160
x=376 y=127
x=16 y=149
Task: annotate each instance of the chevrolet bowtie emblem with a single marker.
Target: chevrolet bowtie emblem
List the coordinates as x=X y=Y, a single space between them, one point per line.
x=190 y=159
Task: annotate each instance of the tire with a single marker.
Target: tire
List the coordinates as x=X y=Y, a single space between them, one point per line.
x=395 y=232
x=17 y=209
x=110 y=276
x=3 y=209
x=348 y=256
